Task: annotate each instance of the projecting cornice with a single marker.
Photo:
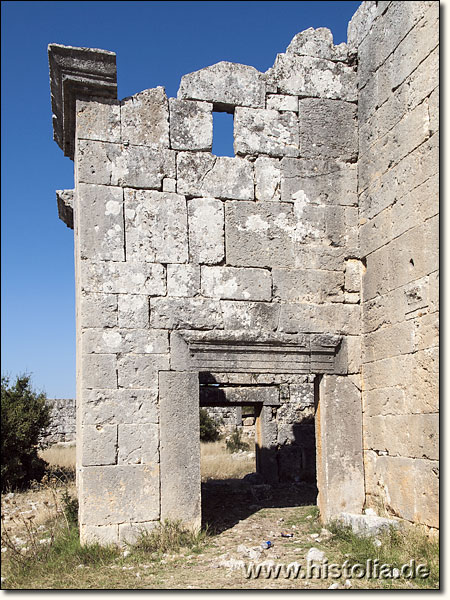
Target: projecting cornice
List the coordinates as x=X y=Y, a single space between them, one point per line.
x=77 y=73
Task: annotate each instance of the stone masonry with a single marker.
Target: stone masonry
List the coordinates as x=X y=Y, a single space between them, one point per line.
x=299 y=276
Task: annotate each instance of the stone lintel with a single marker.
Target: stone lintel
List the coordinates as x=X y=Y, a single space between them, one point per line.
x=77 y=73
x=64 y=198
x=241 y=351
x=243 y=395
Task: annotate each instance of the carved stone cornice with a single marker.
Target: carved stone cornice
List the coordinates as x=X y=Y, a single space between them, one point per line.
x=77 y=73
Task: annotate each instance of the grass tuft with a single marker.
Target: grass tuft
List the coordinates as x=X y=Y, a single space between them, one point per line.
x=170 y=536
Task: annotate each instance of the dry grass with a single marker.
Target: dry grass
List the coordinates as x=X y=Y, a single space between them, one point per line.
x=60 y=456
x=217 y=463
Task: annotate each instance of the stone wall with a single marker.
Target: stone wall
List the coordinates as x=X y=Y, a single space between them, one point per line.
x=62 y=427
x=398 y=80
x=274 y=274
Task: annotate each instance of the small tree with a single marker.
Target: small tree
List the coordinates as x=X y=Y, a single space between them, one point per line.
x=24 y=415
x=209 y=427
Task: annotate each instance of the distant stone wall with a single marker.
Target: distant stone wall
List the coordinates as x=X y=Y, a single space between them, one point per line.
x=62 y=427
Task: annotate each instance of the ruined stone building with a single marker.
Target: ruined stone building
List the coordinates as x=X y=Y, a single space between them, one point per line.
x=299 y=276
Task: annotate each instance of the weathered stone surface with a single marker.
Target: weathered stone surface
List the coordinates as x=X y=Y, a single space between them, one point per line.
x=100 y=407
x=206 y=230
x=135 y=341
x=133 y=311
x=340 y=470
x=138 y=444
x=318 y=43
x=259 y=316
x=353 y=273
x=323 y=318
x=367 y=525
x=416 y=436
x=100 y=222
x=120 y=493
x=231 y=283
x=98 y=310
x=183 y=281
x=328 y=129
x=99 y=445
x=169 y=185
x=226 y=85
x=156 y=226
x=267 y=179
x=64 y=199
x=263 y=131
x=140 y=371
x=185 y=313
x=180 y=448
x=389 y=341
x=124 y=278
x=99 y=371
x=307 y=76
x=214 y=176
x=103 y=534
x=321 y=181
x=98 y=120
x=145 y=118
x=297 y=285
x=105 y=163
x=130 y=533
x=191 y=125
x=282 y=102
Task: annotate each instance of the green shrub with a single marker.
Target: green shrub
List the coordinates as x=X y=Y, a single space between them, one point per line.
x=234 y=442
x=209 y=427
x=24 y=416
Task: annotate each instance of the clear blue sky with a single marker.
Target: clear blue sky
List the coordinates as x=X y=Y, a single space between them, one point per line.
x=156 y=43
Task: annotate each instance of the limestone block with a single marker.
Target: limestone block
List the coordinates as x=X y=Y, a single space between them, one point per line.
x=282 y=102
x=385 y=401
x=389 y=341
x=414 y=436
x=169 y=185
x=135 y=341
x=103 y=534
x=353 y=272
x=360 y=23
x=348 y=359
x=263 y=131
x=328 y=129
x=99 y=445
x=138 y=444
x=318 y=43
x=312 y=77
x=64 y=200
x=207 y=175
x=98 y=310
x=230 y=283
x=100 y=222
x=206 y=230
x=260 y=235
x=119 y=494
x=129 y=533
x=156 y=226
x=259 y=316
x=123 y=278
x=137 y=371
x=267 y=179
x=409 y=488
x=298 y=285
x=322 y=318
x=183 y=280
x=104 y=163
x=98 y=120
x=185 y=313
x=367 y=525
x=324 y=257
x=191 y=125
x=133 y=311
x=426 y=333
x=424 y=386
x=319 y=180
x=389 y=372
x=180 y=448
x=100 y=407
x=99 y=371
x=226 y=85
x=340 y=470
x=145 y=118
x=433 y=107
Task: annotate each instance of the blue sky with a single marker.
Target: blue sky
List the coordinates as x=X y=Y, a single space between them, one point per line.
x=156 y=43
